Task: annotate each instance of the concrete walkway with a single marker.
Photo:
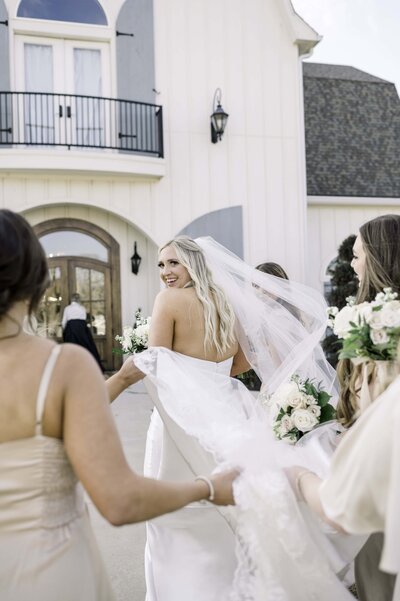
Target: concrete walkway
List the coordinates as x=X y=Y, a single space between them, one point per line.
x=122 y=548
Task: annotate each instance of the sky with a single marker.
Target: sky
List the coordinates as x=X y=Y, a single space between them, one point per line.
x=359 y=33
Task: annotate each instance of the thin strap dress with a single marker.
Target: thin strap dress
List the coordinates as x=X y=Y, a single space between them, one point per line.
x=47 y=547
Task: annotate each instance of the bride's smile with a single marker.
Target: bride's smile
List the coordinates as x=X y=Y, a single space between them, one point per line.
x=172 y=272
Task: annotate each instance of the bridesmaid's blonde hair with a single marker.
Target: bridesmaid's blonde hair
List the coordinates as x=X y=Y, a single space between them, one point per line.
x=219 y=318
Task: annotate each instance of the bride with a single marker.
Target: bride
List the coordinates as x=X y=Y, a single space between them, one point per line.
x=217 y=318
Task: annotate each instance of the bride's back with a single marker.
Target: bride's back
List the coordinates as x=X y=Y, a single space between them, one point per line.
x=189 y=330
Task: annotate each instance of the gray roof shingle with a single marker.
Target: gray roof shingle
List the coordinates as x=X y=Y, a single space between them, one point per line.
x=352 y=129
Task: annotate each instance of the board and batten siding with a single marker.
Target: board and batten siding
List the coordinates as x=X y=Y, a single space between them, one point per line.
x=329 y=225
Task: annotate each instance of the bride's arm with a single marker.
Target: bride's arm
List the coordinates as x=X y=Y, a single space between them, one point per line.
x=160 y=334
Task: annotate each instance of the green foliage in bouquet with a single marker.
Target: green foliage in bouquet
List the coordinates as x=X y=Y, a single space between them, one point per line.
x=368 y=331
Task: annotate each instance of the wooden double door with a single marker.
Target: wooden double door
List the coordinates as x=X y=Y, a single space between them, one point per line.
x=91 y=279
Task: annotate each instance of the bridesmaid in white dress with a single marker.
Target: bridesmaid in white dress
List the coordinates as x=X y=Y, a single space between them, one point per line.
x=361 y=494
x=56 y=428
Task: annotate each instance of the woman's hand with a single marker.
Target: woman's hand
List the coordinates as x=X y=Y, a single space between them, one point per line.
x=128 y=374
x=223 y=489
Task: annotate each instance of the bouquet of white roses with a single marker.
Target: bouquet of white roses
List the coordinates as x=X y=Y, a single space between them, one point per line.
x=135 y=339
x=368 y=330
x=297 y=407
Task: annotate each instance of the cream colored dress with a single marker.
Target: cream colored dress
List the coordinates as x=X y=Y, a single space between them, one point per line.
x=47 y=548
x=362 y=493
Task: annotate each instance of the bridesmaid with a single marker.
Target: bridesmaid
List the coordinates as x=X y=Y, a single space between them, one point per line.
x=56 y=429
x=376 y=261
x=361 y=495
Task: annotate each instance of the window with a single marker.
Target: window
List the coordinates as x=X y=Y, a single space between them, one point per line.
x=328 y=278
x=73 y=11
x=73 y=244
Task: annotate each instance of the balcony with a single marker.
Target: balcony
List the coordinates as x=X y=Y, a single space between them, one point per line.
x=59 y=123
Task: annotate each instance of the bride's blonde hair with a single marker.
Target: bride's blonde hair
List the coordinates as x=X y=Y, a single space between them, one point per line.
x=219 y=318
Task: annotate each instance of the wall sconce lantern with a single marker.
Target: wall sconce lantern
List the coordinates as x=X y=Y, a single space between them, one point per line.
x=218 y=118
x=136 y=259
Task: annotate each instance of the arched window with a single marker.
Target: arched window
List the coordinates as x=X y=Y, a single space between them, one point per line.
x=69 y=243
x=73 y=11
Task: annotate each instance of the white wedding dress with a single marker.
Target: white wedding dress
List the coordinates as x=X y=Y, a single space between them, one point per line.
x=267 y=548
x=190 y=554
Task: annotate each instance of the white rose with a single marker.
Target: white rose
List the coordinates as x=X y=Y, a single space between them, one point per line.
x=299 y=401
x=342 y=321
x=285 y=425
x=284 y=394
x=375 y=321
x=304 y=420
x=315 y=410
x=379 y=336
x=391 y=314
x=364 y=310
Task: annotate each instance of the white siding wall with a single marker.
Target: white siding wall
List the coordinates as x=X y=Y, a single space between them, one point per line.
x=329 y=225
x=245 y=49
x=136 y=290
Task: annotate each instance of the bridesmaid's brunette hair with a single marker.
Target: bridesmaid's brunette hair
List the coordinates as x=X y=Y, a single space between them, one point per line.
x=273 y=269
x=24 y=273
x=219 y=318
x=380 y=239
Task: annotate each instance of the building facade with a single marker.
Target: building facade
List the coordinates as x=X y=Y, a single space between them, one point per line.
x=352 y=131
x=105 y=139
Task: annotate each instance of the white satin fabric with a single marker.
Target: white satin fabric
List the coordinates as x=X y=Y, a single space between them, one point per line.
x=267 y=548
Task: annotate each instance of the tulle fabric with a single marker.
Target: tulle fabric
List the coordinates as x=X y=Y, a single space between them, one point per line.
x=284 y=552
x=279 y=323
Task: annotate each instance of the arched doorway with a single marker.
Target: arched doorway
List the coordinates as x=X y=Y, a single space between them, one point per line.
x=82 y=258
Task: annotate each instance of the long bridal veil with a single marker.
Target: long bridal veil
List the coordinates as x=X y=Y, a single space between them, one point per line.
x=283 y=552
x=279 y=323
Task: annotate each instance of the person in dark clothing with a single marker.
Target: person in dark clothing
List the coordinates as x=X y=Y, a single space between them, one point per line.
x=76 y=330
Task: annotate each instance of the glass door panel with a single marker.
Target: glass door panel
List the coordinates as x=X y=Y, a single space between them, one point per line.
x=39 y=72
x=90 y=285
x=87 y=77
x=64 y=68
x=51 y=307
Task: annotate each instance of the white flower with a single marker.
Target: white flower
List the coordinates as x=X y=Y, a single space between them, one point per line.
x=285 y=425
x=285 y=393
x=390 y=314
x=364 y=312
x=341 y=326
x=311 y=400
x=375 y=322
x=315 y=410
x=298 y=401
x=379 y=336
x=304 y=420
x=290 y=438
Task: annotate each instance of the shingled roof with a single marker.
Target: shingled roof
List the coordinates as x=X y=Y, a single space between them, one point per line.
x=352 y=128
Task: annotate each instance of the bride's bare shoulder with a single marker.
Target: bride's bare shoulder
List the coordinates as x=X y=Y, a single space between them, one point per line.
x=172 y=295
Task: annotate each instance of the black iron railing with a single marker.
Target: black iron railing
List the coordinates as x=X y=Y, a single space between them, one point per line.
x=75 y=121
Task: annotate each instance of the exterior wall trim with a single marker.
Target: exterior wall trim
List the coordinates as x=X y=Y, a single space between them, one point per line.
x=82 y=162
x=351 y=201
